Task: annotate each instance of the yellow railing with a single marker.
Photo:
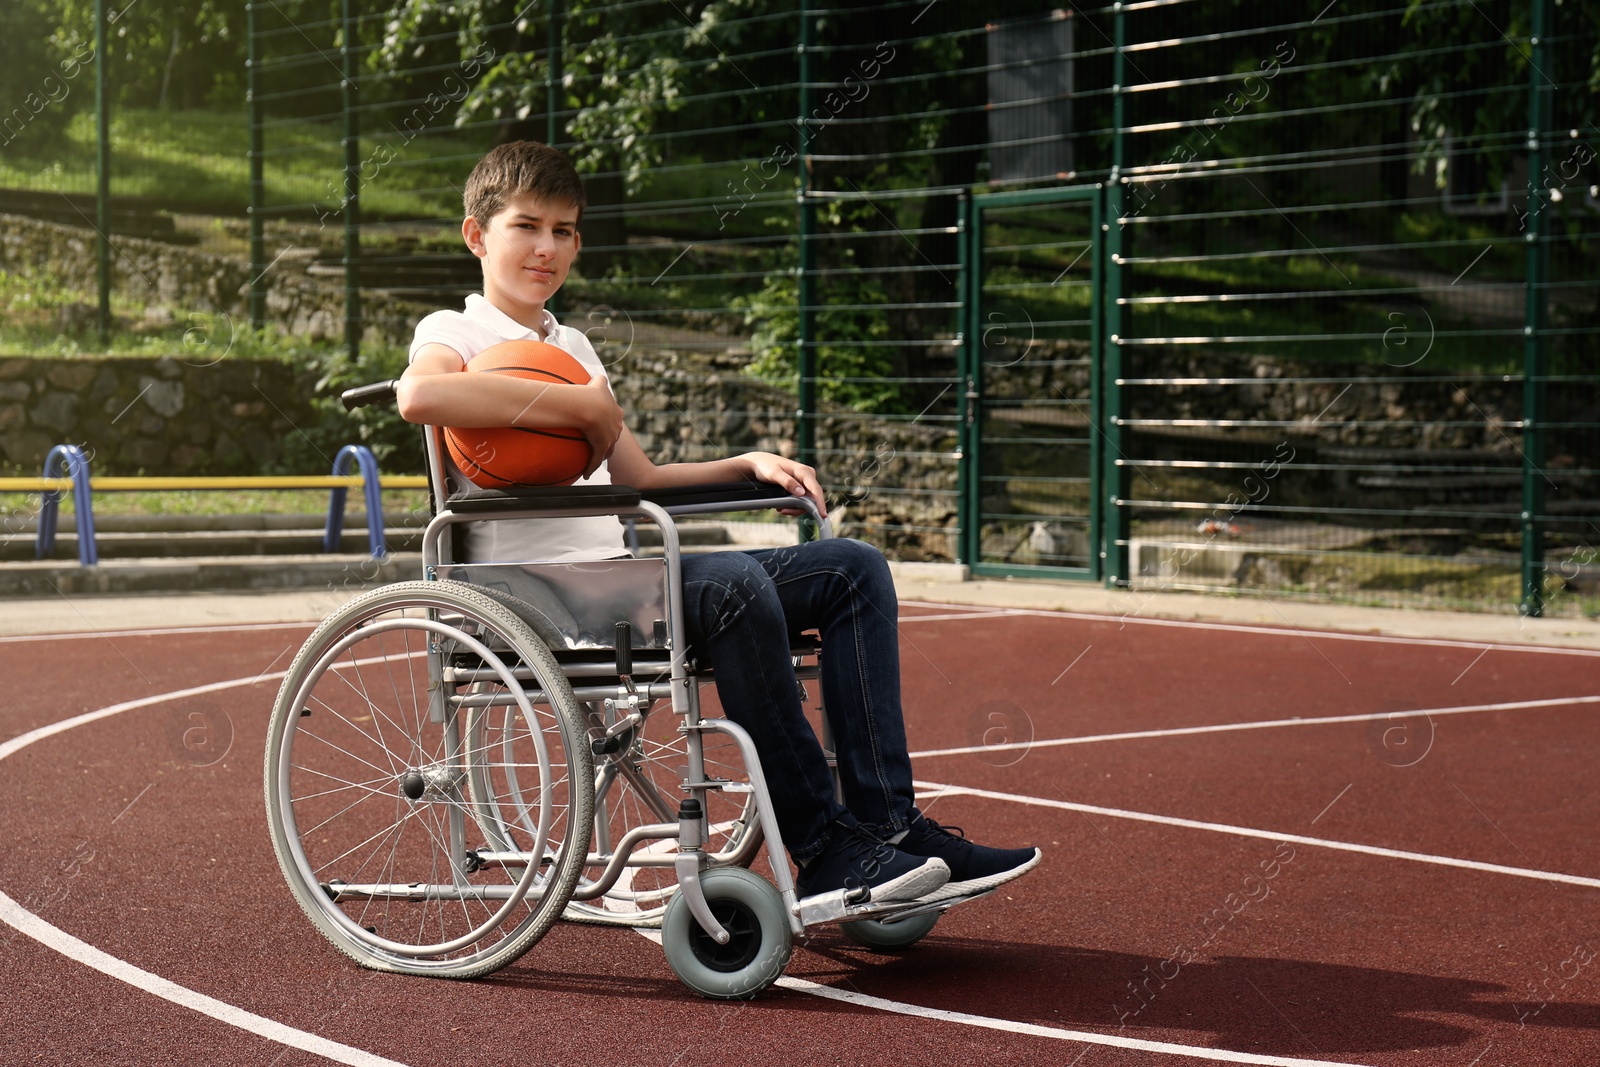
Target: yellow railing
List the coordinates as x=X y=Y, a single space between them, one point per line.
x=83 y=486
x=265 y=481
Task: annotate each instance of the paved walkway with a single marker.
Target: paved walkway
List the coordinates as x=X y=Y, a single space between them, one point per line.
x=80 y=614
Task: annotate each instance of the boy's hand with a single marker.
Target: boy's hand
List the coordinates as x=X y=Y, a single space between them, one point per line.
x=796 y=477
x=605 y=423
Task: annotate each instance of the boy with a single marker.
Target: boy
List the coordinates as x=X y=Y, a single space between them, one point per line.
x=523 y=203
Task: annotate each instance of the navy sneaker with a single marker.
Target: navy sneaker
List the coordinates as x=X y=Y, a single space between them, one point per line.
x=854 y=858
x=973 y=868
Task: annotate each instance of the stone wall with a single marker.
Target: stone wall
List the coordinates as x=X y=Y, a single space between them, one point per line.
x=892 y=480
x=168 y=417
x=151 y=416
x=1418 y=407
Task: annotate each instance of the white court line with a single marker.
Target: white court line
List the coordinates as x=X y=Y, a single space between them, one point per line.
x=940 y=789
x=1198 y=1052
x=1264 y=724
x=1011 y=1026
x=50 y=936
x=19 y=918
x=1276 y=631
x=22 y=741
x=157 y=631
x=28 y=923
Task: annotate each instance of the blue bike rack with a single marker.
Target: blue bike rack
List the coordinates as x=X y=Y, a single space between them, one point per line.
x=77 y=468
x=372 y=491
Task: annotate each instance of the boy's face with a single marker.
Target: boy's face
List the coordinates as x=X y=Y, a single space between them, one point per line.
x=527 y=250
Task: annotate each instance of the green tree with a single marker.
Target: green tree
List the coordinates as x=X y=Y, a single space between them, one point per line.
x=164 y=53
x=43 y=80
x=1459 y=58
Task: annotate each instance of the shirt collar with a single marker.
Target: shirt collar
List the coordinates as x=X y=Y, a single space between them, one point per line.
x=481 y=310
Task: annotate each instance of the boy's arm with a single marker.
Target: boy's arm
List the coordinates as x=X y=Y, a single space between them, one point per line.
x=630 y=466
x=434 y=392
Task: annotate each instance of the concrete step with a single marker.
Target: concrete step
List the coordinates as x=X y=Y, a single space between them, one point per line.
x=342 y=573
x=153 y=545
x=114 y=523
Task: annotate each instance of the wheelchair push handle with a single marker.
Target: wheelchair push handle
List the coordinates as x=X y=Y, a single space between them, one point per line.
x=367 y=395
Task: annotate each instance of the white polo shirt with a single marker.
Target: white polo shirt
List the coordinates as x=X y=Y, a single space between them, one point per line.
x=468 y=332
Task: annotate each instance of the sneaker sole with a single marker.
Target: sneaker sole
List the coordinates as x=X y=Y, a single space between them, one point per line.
x=914 y=884
x=980 y=885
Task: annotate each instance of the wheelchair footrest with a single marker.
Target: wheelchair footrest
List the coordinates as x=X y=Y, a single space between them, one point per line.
x=835 y=907
x=828 y=907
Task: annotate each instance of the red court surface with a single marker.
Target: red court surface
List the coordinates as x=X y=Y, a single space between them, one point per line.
x=1261 y=846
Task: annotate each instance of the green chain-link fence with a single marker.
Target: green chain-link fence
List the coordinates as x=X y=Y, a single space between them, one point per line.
x=1356 y=334
x=1311 y=306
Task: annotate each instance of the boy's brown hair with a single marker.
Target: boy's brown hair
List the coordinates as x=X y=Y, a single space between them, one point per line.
x=521 y=167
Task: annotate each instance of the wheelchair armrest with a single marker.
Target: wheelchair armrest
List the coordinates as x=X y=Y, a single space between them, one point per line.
x=714 y=493
x=599 y=497
x=732 y=496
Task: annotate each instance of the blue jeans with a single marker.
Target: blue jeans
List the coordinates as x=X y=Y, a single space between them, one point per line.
x=741 y=609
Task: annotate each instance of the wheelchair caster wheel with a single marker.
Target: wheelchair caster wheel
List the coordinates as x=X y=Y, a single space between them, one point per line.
x=887 y=936
x=751 y=910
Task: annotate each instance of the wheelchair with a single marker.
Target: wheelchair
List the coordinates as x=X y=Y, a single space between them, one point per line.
x=455 y=764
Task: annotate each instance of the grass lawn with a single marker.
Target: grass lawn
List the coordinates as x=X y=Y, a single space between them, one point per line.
x=32 y=305
x=198 y=161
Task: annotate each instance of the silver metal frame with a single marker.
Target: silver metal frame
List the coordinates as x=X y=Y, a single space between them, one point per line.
x=681 y=688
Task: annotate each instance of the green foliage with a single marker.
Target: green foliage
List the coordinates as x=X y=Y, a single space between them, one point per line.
x=621 y=71
x=850 y=371
x=164 y=53
x=1438 y=111
x=396 y=443
x=1444 y=50
x=40 y=315
x=42 y=82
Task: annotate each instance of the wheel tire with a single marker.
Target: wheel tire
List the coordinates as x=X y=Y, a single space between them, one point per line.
x=367 y=797
x=753 y=913
x=883 y=936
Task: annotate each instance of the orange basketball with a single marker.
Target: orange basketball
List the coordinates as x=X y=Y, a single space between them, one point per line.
x=510 y=456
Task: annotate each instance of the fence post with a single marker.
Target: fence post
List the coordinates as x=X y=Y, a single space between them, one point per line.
x=805 y=283
x=1533 y=341
x=352 y=183
x=1097 y=386
x=258 y=292
x=552 y=73
x=805 y=288
x=1117 y=566
x=102 y=187
x=968 y=280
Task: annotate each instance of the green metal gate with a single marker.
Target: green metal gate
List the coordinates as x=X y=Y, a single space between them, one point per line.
x=1033 y=348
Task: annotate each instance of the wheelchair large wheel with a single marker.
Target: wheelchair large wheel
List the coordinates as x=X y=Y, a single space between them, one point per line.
x=367 y=761
x=752 y=912
x=641 y=784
